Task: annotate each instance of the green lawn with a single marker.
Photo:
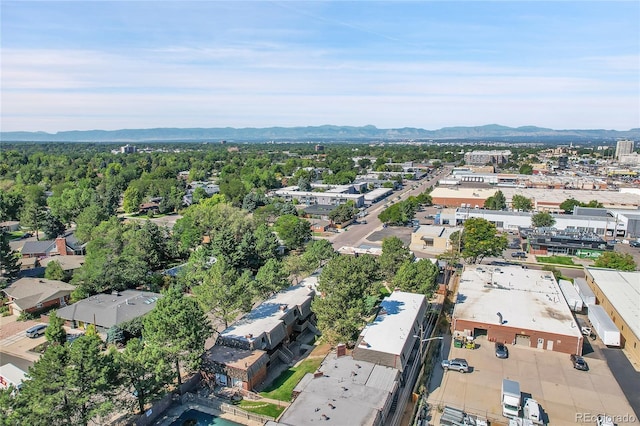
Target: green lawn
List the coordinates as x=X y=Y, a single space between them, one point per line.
x=282 y=387
x=263 y=408
x=559 y=260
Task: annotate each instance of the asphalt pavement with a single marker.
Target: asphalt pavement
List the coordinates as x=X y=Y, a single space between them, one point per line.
x=626 y=376
x=21 y=363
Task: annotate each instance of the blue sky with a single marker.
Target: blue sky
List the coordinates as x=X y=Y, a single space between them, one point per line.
x=430 y=64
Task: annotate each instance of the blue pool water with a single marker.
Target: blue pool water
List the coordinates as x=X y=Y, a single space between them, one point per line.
x=203 y=419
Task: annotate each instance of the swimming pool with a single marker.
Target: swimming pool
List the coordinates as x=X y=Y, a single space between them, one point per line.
x=198 y=418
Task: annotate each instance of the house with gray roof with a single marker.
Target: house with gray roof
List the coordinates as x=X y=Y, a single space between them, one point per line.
x=37 y=294
x=107 y=310
x=61 y=246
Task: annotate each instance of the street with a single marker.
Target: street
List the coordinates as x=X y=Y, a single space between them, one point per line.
x=355 y=234
x=21 y=363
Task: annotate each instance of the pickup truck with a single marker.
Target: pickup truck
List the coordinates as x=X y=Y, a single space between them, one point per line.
x=455 y=364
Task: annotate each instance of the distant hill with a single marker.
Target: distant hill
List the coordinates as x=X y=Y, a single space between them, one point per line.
x=325 y=133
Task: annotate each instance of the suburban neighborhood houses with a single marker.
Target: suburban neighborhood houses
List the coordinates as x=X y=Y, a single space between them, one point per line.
x=295 y=286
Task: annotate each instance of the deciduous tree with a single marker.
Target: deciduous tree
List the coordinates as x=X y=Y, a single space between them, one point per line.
x=496 y=202
x=417 y=277
x=480 y=239
x=615 y=260
x=293 y=231
x=394 y=254
x=542 y=220
x=521 y=203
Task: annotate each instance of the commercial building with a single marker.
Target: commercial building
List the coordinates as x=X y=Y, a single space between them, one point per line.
x=618 y=293
x=623 y=148
x=513 y=305
x=326 y=198
x=554 y=242
x=603 y=222
x=543 y=199
x=487 y=157
x=432 y=238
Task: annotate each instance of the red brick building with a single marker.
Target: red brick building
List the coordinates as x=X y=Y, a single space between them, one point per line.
x=515 y=306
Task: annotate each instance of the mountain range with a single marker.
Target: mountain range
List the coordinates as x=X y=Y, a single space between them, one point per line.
x=326 y=133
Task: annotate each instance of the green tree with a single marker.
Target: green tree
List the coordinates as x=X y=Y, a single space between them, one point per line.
x=9 y=266
x=222 y=290
x=345 y=283
x=144 y=372
x=317 y=252
x=68 y=385
x=496 y=202
x=480 y=239
x=521 y=203
x=417 y=277
x=132 y=199
x=568 y=205
x=115 y=335
x=271 y=278
x=266 y=243
x=54 y=271
x=542 y=220
x=88 y=219
x=52 y=226
x=615 y=260
x=179 y=327
x=344 y=212
x=394 y=254
x=593 y=204
x=33 y=209
x=55 y=332
x=293 y=231
x=526 y=169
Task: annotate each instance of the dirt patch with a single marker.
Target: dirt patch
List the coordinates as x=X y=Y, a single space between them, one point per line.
x=320 y=351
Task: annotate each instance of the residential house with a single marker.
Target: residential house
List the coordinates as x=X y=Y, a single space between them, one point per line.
x=107 y=310
x=67 y=245
x=10 y=226
x=31 y=295
x=269 y=333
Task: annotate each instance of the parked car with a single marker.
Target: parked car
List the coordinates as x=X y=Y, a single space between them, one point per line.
x=519 y=254
x=458 y=364
x=36 y=331
x=501 y=350
x=579 y=363
x=27 y=235
x=634 y=243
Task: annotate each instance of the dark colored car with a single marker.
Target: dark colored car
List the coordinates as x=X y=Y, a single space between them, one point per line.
x=519 y=254
x=579 y=363
x=634 y=243
x=502 y=351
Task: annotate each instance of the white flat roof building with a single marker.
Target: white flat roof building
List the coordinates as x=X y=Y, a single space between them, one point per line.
x=622 y=290
x=10 y=375
x=514 y=304
x=390 y=338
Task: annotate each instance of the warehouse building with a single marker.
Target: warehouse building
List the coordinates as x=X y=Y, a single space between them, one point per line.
x=515 y=306
x=618 y=293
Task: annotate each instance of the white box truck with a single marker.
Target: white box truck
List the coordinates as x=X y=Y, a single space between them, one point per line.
x=604 y=326
x=570 y=295
x=510 y=398
x=585 y=292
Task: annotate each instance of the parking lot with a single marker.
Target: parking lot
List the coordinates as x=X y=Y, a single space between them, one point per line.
x=546 y=376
